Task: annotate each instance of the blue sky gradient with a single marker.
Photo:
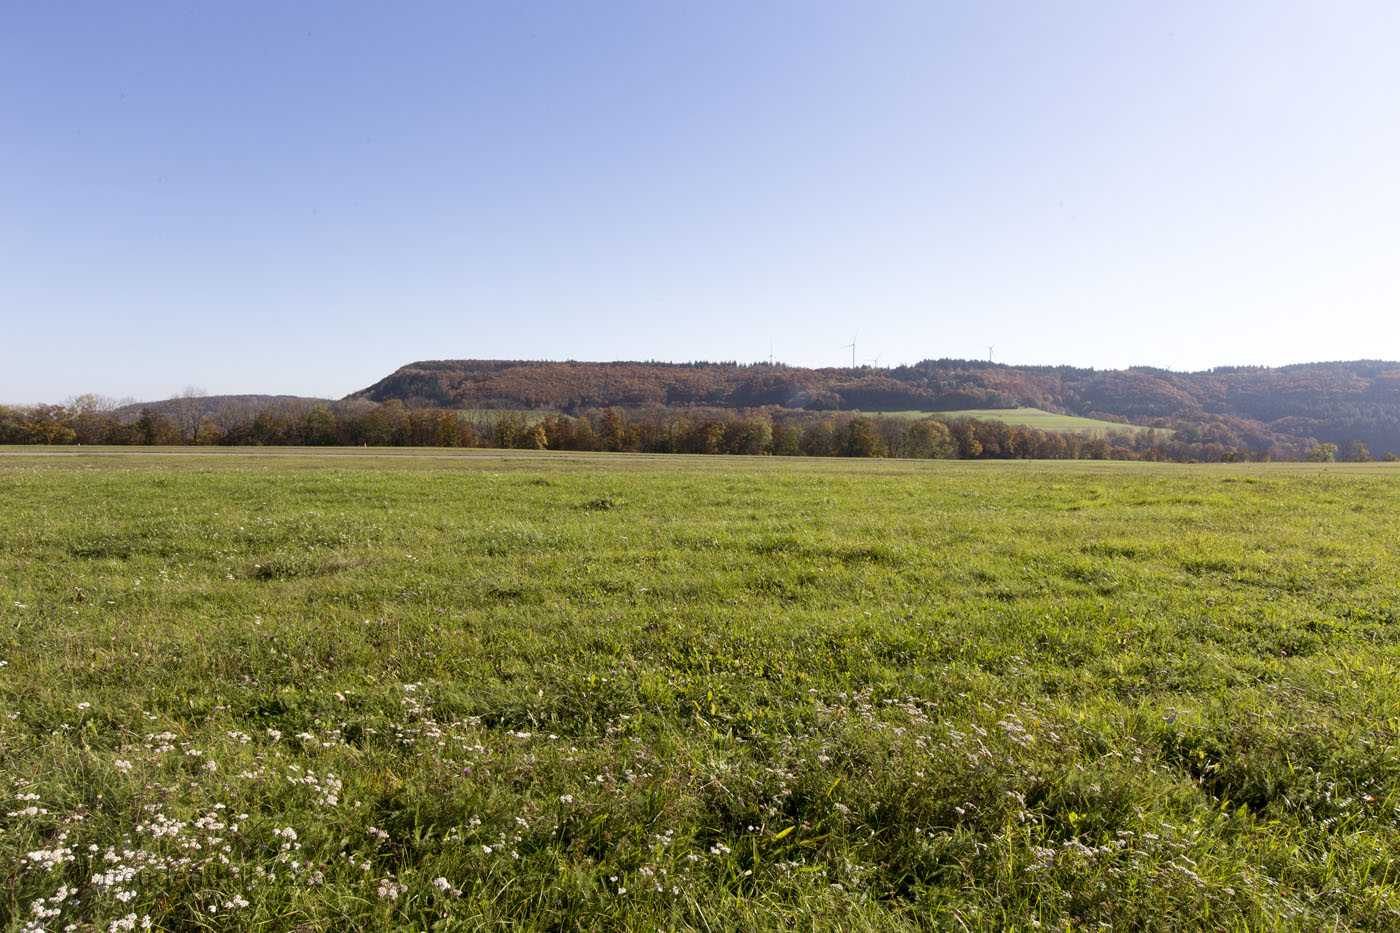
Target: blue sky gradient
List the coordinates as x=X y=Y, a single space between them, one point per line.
x=299 y=197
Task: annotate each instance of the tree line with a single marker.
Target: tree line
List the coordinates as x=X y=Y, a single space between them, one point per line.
x=189 y=420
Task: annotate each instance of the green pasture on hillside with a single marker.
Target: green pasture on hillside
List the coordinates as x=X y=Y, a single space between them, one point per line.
x=528 y=416
x=1024 y=417
x=442 y=691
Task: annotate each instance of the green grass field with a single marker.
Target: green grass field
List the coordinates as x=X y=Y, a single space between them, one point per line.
x=1024 y=417
x=251 y=692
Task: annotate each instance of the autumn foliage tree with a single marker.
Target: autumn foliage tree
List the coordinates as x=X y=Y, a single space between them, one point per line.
x=46 y=425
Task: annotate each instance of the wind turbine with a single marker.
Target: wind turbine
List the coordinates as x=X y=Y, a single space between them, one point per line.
x=989 y=352
x=876 y=360
x=852 y=346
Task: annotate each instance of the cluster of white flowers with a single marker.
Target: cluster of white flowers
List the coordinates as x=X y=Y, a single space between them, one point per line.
x=290 y=835
x=49 y=859
x=117 y=876
x=31 y=810
x=327 y=788
x=161 y=825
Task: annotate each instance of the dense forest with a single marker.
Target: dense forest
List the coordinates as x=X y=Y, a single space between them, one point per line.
x=1285 y=407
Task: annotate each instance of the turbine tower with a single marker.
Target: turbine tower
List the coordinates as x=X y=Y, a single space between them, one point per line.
x=852 y=347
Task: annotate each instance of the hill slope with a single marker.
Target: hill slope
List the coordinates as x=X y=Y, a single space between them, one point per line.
x=214 y=404
x=1335 y=402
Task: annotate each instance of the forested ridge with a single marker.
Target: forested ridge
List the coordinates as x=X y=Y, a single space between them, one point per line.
x=1260 y=407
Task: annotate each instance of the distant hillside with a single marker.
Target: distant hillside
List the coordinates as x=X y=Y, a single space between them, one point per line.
x=216 y=404
x=1023 y=417
x=1289 y=405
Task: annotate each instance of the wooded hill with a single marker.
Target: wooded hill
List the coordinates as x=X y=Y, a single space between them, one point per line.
x=1336 y=402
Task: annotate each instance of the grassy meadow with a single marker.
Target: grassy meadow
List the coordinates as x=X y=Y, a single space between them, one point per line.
x=330 y=693
x=1025 y=417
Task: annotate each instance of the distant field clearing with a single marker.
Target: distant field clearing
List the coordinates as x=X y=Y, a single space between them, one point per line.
x=1025 y=417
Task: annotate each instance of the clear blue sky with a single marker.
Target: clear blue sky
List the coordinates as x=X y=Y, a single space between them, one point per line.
x=299 y=197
